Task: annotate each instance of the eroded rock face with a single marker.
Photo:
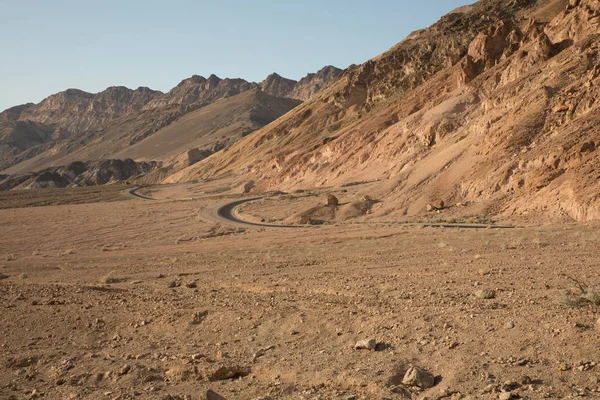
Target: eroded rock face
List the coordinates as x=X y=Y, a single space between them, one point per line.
x=278 y=86
x=304 y=89
x=79 y=111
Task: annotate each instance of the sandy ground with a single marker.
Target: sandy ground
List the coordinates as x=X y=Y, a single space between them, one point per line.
x=156 y=300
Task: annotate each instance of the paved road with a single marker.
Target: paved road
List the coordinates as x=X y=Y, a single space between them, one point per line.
x=133 y=192
x=226 y=212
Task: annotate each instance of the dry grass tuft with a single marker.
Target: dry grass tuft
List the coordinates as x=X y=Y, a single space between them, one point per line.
x=583 y=294
x=109 y=278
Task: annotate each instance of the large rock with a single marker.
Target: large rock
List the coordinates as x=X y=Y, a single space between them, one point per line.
x=366 y=344
x=332 y=200
x=419 y=377
x=212 y=395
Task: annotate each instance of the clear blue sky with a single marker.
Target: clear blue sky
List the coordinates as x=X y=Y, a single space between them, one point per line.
x=51 y=45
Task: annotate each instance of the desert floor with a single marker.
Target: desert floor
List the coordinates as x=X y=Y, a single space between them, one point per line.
x=119 y=298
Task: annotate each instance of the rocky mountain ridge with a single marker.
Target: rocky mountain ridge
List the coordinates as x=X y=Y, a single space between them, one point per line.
x=71 y=119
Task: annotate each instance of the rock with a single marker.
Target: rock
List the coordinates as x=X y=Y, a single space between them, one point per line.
x=212 y=395
x=509 y=325
x=366 y=344
x=598 y=325
x=248 y=186
x=124 y=370
x=332 y=200
x=525 y=380
x=174 y=284
x=2 y=276
x=223 y=372
x=198 y=317
x=505 y=396
x=485 y=294
x=435 y=206
x=191 y=285
x=416 y=376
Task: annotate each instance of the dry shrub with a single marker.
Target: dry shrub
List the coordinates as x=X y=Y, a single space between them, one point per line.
x=109 y=278
x=582 y=294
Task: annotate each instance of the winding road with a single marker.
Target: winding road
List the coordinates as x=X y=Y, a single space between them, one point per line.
x=226 y=213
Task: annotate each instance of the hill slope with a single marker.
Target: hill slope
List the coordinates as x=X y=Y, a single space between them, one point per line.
x=494 y=107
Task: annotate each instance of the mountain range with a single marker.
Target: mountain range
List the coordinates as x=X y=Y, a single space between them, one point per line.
x=75 y=125
x=494 y=109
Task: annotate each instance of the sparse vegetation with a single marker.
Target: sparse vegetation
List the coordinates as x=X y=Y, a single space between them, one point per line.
x=109 y=278
x=580 y=295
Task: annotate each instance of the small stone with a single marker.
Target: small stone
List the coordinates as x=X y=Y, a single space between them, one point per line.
x=509 y=325
x=505 y=396
x=366 y=344
x=491 y=388
x=20 y=297
x=416 y=376
x=564 y=367
x=124 y=370
x=212 y=395
x=198 y=317
x=485 y=294
x=174 y=284
x=598 y=325
x=525 y=380
x=191 y=285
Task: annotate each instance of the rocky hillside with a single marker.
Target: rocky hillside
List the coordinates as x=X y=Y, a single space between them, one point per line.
x=493 y=109
x=79 y=174
x=66 y=125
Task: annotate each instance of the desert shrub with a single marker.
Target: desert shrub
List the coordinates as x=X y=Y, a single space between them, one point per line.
x=582 y=294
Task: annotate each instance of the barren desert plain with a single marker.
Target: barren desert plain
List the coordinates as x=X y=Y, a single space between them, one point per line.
x=105 y=295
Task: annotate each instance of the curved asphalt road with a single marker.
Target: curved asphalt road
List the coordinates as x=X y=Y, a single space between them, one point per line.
x=225 y=212
x=133 y=192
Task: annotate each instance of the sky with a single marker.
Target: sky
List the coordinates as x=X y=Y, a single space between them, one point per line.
x=49 y=46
